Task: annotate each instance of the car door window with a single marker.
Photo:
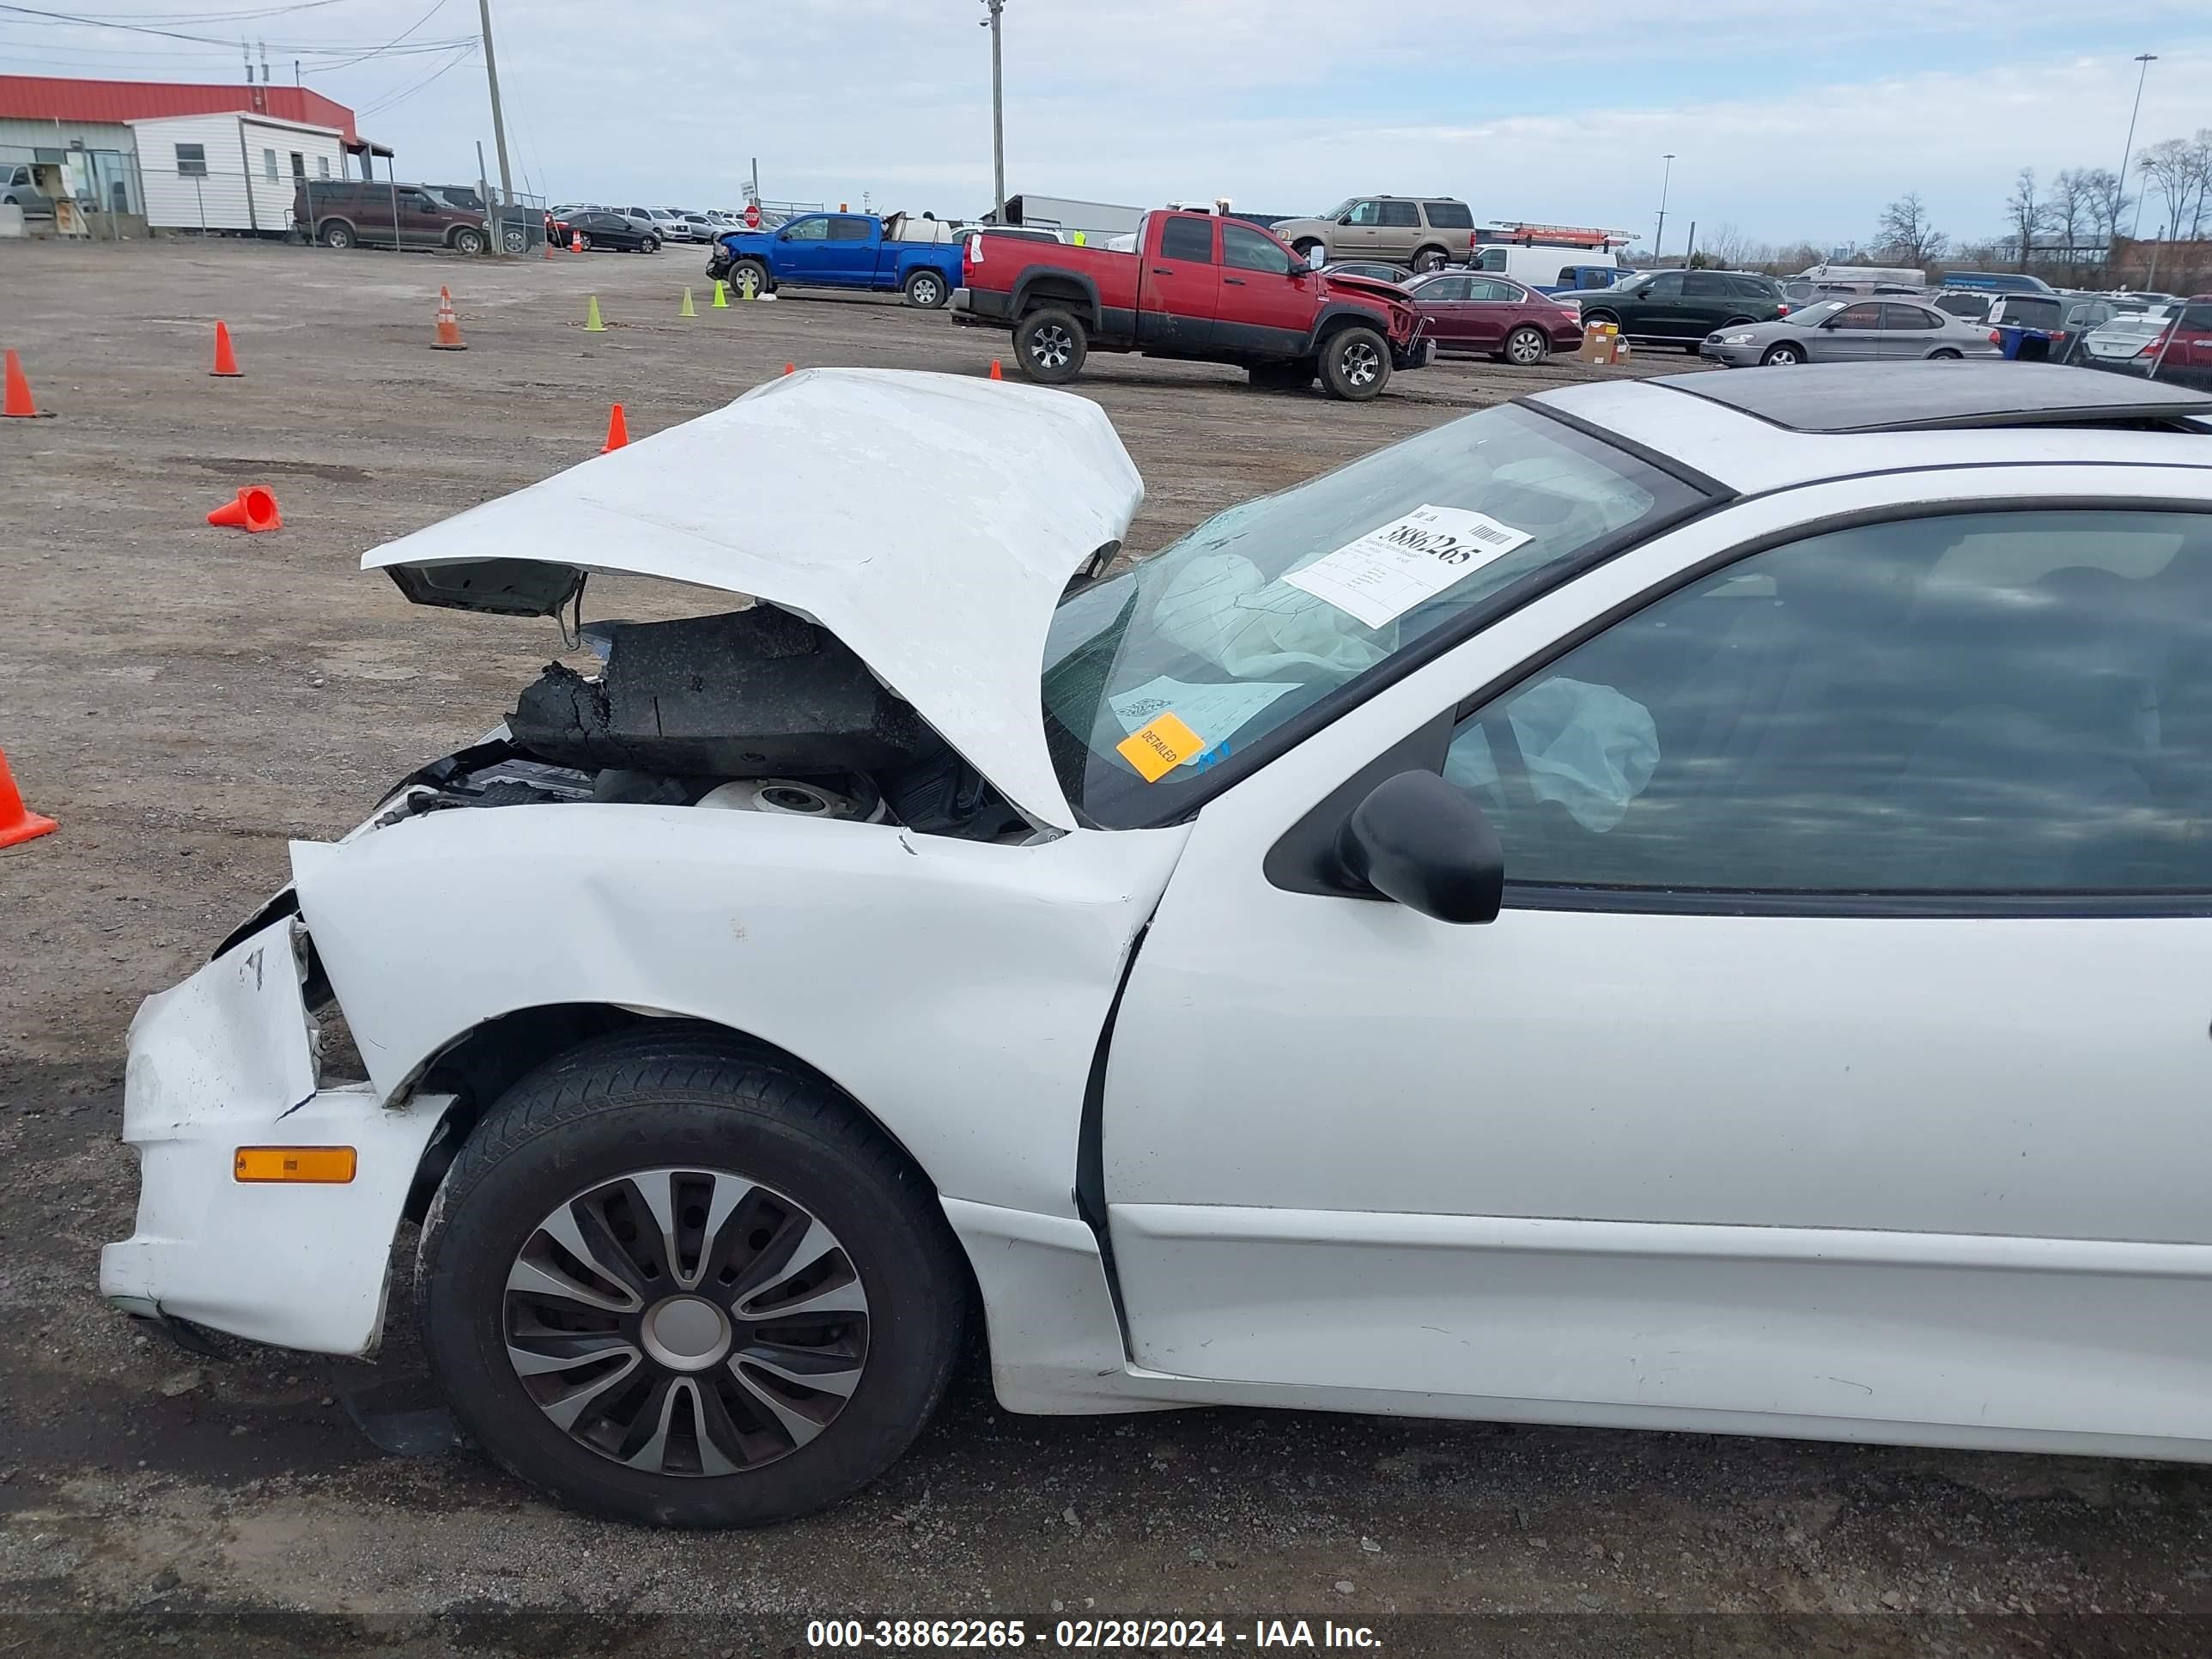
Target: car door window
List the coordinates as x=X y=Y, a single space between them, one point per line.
x=1864 y=317
x=843 y=229
x=1909 y=317
x=1401 y=216
x=1489 y=287
x=1189 y=239
x=1992 y=704
x=807 y=230
x=1753 y=289
x=1667 y=285
x=1446 y=288
x=1704 y=285
x=1248 y=250
x=1365 y=212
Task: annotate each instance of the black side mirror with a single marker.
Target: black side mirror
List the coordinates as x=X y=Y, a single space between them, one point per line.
x=1417 y=840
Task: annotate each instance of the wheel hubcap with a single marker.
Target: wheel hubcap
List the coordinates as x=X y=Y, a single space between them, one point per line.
x=686 y=1321
x=1051 y=347
x=1361 y=365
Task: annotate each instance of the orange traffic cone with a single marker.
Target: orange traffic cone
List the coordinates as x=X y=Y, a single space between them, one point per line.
x=791 y=369
x=617 y=430
x=16 y=404
x=449 y=326
x=997 y=374
x=575 y=241
x=254 y=511
x=226 y=363
x=17 y=822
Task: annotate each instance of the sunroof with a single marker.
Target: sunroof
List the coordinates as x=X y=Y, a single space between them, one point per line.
x=1919 y=396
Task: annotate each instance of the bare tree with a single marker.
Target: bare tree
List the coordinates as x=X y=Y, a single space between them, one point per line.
x=2029 y=213
x=1906 y=235
x=2104 y=192
x=2070 y=206
x=2200 y=167
x=2168 y=167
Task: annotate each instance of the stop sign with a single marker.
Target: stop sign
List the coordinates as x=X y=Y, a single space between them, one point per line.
x=752 y=215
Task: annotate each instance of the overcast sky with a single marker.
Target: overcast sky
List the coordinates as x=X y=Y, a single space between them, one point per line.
x=1788 y=121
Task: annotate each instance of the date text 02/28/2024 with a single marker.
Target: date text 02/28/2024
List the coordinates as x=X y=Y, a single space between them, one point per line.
x=1083 y=1635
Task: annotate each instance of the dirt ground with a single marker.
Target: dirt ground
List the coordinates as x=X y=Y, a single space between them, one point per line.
x=186 y=699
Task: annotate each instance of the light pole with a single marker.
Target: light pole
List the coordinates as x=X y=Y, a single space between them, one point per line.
x=998 y=114
x=498 y=128
x=1667 y=178
x=2127 y=149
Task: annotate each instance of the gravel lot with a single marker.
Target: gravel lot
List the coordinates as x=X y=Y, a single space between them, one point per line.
x=186 y=699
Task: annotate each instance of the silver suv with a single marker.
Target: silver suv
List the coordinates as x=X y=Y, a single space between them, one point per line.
x=1424 y=231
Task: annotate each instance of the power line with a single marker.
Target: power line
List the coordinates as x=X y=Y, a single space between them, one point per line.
x=70 y=19
x=324 y=69
x=382 y=105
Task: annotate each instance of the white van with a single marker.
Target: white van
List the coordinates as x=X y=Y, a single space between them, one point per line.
x=1541 y=266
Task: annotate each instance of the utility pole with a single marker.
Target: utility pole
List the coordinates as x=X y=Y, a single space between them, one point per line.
x=998 y=114
x=498 y=122
x=2128 y=149
x=1659 y=236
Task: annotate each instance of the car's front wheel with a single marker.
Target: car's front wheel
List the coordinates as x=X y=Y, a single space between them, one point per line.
x=673 y=1282
x=652 y=245
x=749 y=279
x=1783 y=355
x=1355 y=364
x=470 y=242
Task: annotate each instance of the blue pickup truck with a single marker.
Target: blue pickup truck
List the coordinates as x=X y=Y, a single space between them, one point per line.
x=842 y=250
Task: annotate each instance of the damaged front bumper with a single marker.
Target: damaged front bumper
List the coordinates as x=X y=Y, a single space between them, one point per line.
x=225 y=1062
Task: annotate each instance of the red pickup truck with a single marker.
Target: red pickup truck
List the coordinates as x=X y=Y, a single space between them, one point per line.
x=1201 y=287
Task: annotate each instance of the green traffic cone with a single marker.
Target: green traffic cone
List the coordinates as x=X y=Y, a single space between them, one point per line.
x=721 y=295
x=591 y=323
x=686 y=310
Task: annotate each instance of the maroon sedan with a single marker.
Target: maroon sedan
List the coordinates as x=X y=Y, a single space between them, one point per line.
x=1498 y=318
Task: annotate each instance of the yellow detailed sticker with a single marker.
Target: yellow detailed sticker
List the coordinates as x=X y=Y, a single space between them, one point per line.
x=1160 y=745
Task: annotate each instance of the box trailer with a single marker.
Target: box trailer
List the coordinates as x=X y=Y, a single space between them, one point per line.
x=231 y=170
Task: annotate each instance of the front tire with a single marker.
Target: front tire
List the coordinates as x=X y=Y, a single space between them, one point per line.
x=1525 y=348
x=1050 y=345
x=1431 y=258
x=1784 y=356
x=749 y=279
x=1355 y=364
x=515 y=238
x=652 y=245
x=470 y=242
x=926 y=291
x=673 y=1281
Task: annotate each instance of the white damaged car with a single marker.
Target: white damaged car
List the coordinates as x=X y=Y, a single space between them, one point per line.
x=1682 y=903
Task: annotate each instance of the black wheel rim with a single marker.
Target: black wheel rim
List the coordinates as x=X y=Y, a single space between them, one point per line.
x=687 y=1322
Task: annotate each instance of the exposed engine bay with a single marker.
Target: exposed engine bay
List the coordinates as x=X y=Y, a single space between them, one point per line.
x=755 y=710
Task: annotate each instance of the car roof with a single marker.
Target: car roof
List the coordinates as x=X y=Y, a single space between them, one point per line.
x=1749 y=429
x=1931 y=396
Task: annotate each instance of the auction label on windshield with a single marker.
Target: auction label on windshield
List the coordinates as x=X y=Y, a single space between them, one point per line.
x=1389 y=570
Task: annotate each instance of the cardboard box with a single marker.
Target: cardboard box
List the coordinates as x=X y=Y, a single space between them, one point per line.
x=1602 y=343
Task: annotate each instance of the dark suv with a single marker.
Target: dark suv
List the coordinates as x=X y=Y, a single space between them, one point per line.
x=1680 y=307
x=354 y=212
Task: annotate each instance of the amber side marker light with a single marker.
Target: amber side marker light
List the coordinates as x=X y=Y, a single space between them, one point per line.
x=327 y=1165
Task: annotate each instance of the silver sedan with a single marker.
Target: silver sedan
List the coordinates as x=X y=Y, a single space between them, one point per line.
x=1850 y=331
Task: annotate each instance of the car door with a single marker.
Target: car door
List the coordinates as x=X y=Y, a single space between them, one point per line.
x=1182 y=287
x=1910 y=330
x=1656 y=310
x=1402 y=232
x=848 y=252
x=1359 y=232
x=1444 y=301
x=1853 y=335
x=1839 y=1053
x=1493 y=307
x=802 y=249
x=1266 y=297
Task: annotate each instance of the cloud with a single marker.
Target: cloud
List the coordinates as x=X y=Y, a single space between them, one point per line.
x=1558 y=110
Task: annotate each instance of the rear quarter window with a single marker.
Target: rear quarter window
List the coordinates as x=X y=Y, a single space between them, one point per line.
x=1449 y=215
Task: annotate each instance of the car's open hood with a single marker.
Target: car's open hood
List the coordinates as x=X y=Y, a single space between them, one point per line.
x=929 y=521
x=1368 y=287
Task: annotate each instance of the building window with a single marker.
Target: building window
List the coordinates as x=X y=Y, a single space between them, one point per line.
x=322 y=166
x=269 y=164
x=191 y=161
